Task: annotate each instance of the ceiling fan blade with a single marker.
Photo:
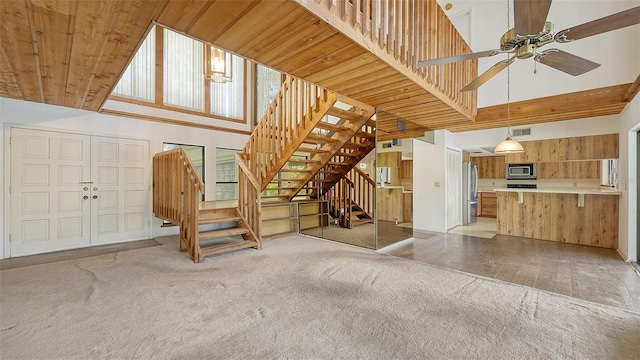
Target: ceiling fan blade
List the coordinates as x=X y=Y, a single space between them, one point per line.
x=565 y=62
x=487 y=75
x=456 y=58
x=599 y=26
x=529 y=16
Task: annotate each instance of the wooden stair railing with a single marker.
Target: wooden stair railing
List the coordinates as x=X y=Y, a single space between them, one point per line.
x=351 y=199
x=249 y=202
x=176 y=194
x=290 y=119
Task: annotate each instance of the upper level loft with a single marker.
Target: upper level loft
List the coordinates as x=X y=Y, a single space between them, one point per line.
x=73 y=53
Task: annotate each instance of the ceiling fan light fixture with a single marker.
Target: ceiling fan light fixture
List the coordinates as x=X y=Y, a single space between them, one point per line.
x=508 y=146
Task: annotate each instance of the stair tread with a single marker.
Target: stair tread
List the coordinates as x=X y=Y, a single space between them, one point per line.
x=202 y=221
x=217 y=249
x=361 y=221
x=344 y=114
x=303 y=161
x=329 y=126
x=320 y=138
x=312 y=151
x=365 y=135
x=294 y=170
x=222 y=233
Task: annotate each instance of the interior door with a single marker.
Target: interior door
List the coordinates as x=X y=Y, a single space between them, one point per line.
x=120 y=189
x=453 y=195
x=70 y=191
x=50 y=204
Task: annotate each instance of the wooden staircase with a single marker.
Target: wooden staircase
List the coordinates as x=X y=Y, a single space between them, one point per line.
x=176 y=198
x=351 y=199
x=217 y=241
x=303 y=129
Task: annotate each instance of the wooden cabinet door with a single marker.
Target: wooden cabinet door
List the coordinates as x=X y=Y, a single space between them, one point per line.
x=389 y=159
x=406 y=169
x=488 y=204
x=499 y=167
x=586 y=169
x=555 y=170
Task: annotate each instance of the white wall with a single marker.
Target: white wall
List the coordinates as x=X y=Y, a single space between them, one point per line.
x=620 y=60
x=569 y=128
x=628 y=177
x=429 y=200
x=56 y=118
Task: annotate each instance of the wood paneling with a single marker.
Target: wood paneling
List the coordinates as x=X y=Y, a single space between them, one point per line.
x=406 y=170
x=577 y=105
x=389 y=159
x=567 y=149
x=70 y=53
x=487 y=204
x=557 y=217
x=490 y=167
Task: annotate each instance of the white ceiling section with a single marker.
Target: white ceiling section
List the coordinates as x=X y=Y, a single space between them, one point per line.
x=617 y=51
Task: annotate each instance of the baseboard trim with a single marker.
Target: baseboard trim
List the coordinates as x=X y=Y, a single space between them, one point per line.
x=396 y=245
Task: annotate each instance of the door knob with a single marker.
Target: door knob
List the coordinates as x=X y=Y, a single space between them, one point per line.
x=85 y=197
x=85 y=188
x=95 y=196
x=95 y=189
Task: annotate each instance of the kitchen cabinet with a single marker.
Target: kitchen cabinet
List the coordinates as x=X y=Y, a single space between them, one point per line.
x=567 y=149
x=406 y=170
x=588 y=147
x=490 y=167
x=407 y=207
x=487 y=204
x=389 y=159
x=569 y=170
x=560 y=216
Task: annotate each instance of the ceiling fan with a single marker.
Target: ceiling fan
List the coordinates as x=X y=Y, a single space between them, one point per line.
x=531 y=31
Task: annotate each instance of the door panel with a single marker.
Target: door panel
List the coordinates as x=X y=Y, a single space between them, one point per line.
x=48 y=211
x=120 y=189
x=70 y=191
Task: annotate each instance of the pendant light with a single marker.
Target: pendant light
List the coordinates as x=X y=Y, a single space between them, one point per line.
x=508 y=146
x=217 y=65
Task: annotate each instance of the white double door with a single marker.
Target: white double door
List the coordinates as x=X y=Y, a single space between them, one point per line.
x=70 y=191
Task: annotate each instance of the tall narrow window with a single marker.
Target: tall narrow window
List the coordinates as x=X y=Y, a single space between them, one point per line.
x=226 y=174
x=227 y=98
x=183 y=76
x=138 y=80
x=268 y=83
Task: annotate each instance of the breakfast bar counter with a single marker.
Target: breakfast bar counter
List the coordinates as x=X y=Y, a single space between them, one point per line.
x=571 y=215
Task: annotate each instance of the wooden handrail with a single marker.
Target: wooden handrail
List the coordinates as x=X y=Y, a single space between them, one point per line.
x=249 y=202
x=176 y=194
x=364 y=176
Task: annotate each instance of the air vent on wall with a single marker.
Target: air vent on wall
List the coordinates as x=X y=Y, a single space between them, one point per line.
x=386 y=145
x=522 y=132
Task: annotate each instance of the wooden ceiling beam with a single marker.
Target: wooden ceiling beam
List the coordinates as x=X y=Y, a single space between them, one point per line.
x=632 y=91
x=577 y=105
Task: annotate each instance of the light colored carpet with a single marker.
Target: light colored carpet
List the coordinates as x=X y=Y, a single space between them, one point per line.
x=298 y=298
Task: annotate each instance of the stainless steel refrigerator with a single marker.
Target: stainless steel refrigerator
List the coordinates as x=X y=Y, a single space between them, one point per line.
x=470 y=192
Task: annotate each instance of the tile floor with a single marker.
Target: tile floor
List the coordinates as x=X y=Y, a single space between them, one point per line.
x=589 y=273
x=484 y=228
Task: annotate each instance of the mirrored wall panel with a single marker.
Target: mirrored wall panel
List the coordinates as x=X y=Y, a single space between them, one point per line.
x=342 y=202
x=394 y=181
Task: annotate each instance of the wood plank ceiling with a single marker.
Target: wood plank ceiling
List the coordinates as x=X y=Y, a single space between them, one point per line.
x=72 y=52
x=69 y=53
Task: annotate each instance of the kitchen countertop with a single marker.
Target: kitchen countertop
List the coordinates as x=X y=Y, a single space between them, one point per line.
x=590 y=191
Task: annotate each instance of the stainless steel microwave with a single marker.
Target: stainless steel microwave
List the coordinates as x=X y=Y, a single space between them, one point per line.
x=521 y=171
